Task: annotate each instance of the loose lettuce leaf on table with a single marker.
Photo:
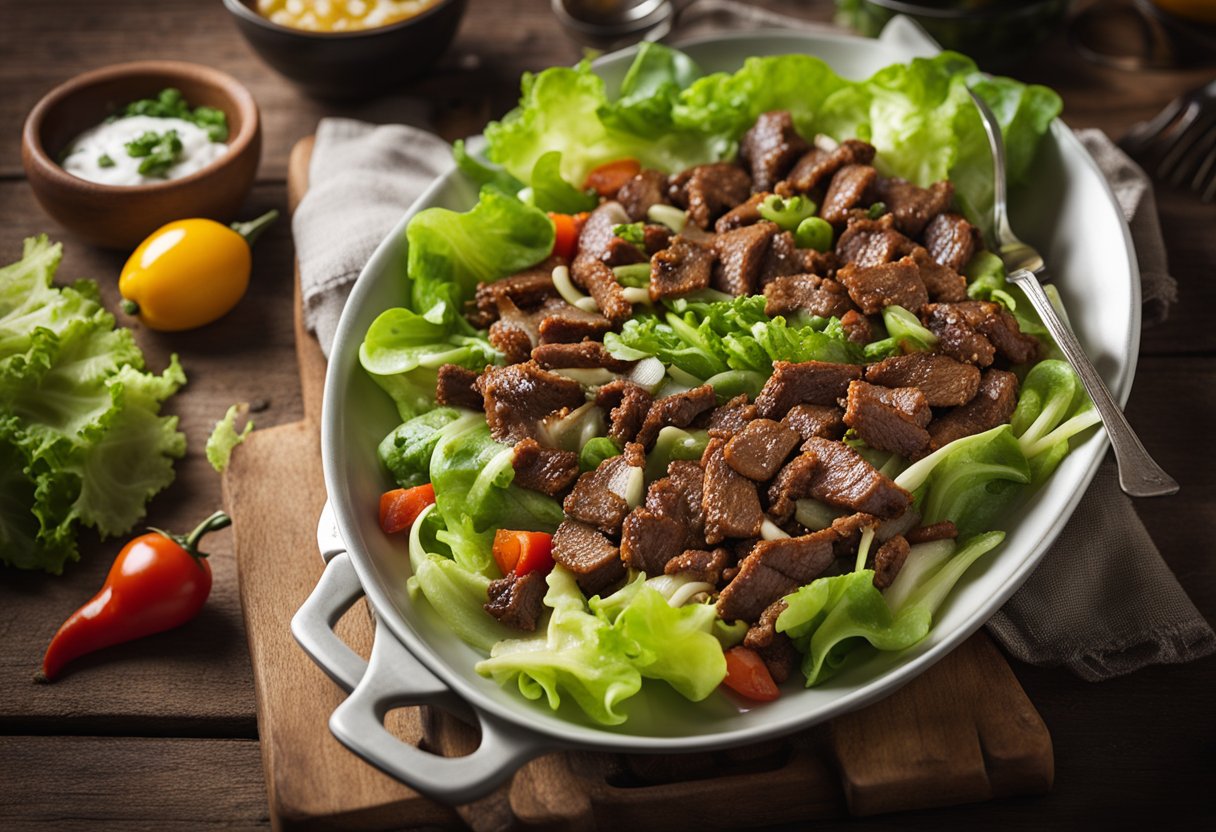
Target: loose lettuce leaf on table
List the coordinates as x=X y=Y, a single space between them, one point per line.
x=224 y=438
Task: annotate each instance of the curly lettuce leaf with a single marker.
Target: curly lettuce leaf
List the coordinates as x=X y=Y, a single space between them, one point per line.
x=550 y=192
x=224 y=438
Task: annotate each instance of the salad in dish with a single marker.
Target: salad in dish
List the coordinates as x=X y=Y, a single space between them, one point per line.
x=716 y=386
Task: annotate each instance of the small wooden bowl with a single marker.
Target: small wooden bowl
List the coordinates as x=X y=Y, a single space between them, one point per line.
x=121 y=216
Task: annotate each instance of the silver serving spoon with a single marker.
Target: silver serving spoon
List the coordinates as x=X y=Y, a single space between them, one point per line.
x=1139 y=474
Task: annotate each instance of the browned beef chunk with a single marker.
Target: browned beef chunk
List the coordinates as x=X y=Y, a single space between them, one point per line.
x=677 y=411
x=684 y=266
x=993 y=405
x=847 y=191
x=745 y=213
x=761 y=633
x=597 y=242
x=758 y=451
x=951 y=240
x=518 y=396
x=873 y=288
x=945 y=530
x=457 y=387
x=593 y=502
x=770 y=148
x=817 y=166
x=740 y=256
x=511 y=340
x=601 y=284
x=911 y=205
x=627 y=404
x=649 y=541
x=853 y=524
x=792 y=484
x=729 y=500
x=856 y=327
x=709 y=191
x=806 y=292
x=810 y=382
x=547 y=470
x=731 y=417
x=587 y=553
x=884 y=426
x=655 y=238
x=581 y=355
x=843 y=478
x=867 y=242
x=957 y=338
x=773 y=569
x=527 y=289
x=637 y=195
x=562 y=323
x=942 y=282
x=699 y=564
x=995 y=323
x=783 y=257
x=516 y=600
x=888 y=560
x=679 y=496
x=781 y=657
x=815 y=420
x=944 y=381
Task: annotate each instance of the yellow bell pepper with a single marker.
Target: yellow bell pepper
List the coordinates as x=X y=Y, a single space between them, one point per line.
x=190 y=272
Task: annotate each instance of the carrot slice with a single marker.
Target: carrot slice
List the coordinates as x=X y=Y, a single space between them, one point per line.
x=400 y=507
x=748 y=676
x=608 y=178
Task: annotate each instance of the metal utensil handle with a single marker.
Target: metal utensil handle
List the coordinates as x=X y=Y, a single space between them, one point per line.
x=313 y=624
x=395 y=678
x=1139 y=475
x=996 y=145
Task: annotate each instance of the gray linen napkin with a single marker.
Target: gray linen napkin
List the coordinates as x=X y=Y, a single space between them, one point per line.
x=1102 y=603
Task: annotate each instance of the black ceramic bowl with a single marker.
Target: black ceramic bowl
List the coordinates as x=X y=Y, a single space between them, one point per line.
x=358 y=64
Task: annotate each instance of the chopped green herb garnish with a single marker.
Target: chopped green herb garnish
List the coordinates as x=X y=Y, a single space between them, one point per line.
x=159 y=151
x=877 y=210
x=170 y=104
x=104 y=161
x=634 y=232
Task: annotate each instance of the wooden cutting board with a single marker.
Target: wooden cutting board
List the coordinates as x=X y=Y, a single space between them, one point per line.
x=964 y=731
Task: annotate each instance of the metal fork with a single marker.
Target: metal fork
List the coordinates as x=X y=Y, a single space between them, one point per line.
x=1181 y=139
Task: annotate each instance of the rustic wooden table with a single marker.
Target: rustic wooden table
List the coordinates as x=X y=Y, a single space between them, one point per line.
x=161 y=734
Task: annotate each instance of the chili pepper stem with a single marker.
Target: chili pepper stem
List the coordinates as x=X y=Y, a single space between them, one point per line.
x=253 y=229
x=130 y=307
x=189 y=542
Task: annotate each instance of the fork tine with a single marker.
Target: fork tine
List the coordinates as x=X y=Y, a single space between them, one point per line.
x=1145 y=133
x=1201 y=140
x=1179 y=142
x=1209 y=186
x=1205 y=169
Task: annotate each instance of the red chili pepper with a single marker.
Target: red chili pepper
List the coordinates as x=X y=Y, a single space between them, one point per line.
x=523 y=552
x=400 y=507
x=158 y=581
x=609 y=178
x=748 y=676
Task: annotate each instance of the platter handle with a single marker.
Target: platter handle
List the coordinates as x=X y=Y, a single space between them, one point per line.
x=313 y=624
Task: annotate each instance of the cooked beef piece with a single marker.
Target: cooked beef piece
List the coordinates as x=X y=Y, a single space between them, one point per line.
x=815 y=420
x=655 y=238
x=793 y=482
x=811 y=382
x=852 y=524
x=562 y=323
x=856 y=327
x=781 y=657
x=822 y=263
x=731 y=417
x=740 y=256
x=773 y=569
x=993 y=405
x=817 y=166
x=888 y=560
x=911 y=205
x=627 y=404
x=511 y=340
x=516 y=600
x=745 y=213
x=783 y=257
x=761 y=633
x=873 y=288
x=867 y=242
x=582 y=355
x=951 y=240
x=944 y=381
x=909 y=401
x=677 y=411
x=649 y=541
x=944 y=530
x=601 y=284
x=637 y=195
x=592 y=502
x=942 y=282
x=684 y=266
x=843 y=478
x=883 y=425
x=699 y=564
x=957 y=338
x=729 y=500
x=709 y=191
x=597 y=242
x=547 y=470
x=847 y=191
x=770 y=148
x=457 y=387
x=995 y=323
x=518 y=396
x=526 y=289
x=587 y=553
x=678 y=496
x=806 y=292
x=758 y=451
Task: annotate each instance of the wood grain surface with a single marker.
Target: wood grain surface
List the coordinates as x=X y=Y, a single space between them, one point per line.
x=92 y=750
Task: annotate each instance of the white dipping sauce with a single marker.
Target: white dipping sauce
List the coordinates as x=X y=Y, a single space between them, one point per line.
x=110 y=139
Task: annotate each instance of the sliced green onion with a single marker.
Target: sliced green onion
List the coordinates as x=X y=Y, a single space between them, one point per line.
x=667 y=215
x=787 y=213
x=634 y=274
x=814 y=232
x=635 y=294
x=566 y=288
x=771 y=531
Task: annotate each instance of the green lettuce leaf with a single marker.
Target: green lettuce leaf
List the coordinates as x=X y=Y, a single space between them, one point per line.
x=406 y=452
x=1052 y=408
x=550 y=192
x=224 y=438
